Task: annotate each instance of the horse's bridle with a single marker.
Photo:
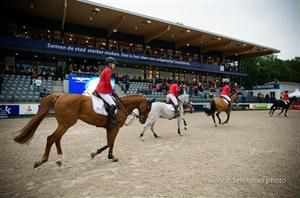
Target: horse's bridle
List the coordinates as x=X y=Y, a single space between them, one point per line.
x=127 y=113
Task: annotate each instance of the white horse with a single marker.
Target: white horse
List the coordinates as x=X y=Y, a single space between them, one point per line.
x=166 y=111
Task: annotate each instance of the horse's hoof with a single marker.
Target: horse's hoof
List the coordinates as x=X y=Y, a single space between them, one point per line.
x=36 y=164
x=93 y=155
x=115 y=160
x=156 y=136
x=59 y=163
x=185 y=128
x=216 y=125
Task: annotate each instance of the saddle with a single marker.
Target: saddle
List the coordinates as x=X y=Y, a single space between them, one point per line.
x=228 y=102
x=106 y=105
x=100 y=106
x=286 y=102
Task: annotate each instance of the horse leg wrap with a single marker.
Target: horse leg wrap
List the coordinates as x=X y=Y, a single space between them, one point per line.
x=100 y=150
x=110 y=155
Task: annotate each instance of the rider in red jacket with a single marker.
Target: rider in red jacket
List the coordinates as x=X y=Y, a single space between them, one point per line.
x=172 y=95
x=105 y=91
x=285 y=97
x=225 y=93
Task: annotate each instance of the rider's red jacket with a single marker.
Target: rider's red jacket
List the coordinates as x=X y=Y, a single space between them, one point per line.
x=104 y=85
x=226 y=90
x=174 y=89
x=285 y=96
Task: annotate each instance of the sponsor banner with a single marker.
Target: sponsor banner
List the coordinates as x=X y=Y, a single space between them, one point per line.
x=80 y=50
x=267 y=86
x=99 y=53
x=78 y=84
x=9 y=110
x=261 y=106
x=29 y=109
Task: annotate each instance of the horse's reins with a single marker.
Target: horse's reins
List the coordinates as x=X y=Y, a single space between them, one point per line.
x=127 y=112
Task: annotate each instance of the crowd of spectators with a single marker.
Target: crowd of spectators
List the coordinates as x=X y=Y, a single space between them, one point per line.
x=120 y=46
x=35 y=72
x=208 y=89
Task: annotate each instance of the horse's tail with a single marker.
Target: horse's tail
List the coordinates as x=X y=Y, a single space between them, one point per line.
x=212 y=109
x=28 y=131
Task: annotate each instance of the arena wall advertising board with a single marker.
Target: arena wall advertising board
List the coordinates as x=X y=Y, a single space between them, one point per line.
x=260 y=106
x=9 y=110
x=78 y=84
x=28 y=109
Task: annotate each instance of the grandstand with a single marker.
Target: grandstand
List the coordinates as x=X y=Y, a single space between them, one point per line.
x=18 y=88
x=59 y=38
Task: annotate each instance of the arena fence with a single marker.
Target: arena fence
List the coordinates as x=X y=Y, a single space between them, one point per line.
x=12 y=109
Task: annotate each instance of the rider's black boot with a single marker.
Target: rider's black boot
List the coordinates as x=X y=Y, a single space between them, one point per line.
x=111 y=114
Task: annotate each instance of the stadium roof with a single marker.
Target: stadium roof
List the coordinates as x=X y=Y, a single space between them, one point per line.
x=96 y=15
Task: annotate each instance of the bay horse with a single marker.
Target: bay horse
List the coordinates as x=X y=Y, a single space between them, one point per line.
x=282 y=104
x=218 y=104
x=165 y=111
x=71 y=107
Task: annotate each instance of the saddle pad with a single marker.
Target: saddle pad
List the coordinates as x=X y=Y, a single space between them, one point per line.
x=170 y=107
x=286 y=102
x=225 y=100
x=98 y=104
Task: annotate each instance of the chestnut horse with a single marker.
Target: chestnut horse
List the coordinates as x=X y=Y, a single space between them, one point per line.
x=71 y=107
x=218 y=105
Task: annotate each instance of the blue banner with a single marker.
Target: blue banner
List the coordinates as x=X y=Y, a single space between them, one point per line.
x=78 y=84
x=88 y=52
x=9 y=110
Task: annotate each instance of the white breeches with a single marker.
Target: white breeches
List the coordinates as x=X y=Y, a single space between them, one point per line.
x=108 y=99
x=227 y=97
x=172 y=98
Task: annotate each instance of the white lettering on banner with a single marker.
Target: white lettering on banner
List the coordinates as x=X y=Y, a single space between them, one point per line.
x=55 y=46
x=7 y=109
x=81 y=79
x=110 y=53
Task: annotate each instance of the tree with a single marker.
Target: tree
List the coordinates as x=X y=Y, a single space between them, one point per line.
x=266 y=69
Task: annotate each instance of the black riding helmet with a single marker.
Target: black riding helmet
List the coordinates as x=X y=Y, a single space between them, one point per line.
x=110 y=59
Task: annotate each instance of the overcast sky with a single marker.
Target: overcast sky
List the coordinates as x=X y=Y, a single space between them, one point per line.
x=273 y=23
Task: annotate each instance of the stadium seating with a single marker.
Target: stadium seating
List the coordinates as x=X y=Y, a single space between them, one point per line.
x=202 y=97
x=160 y=96
x=17 y=88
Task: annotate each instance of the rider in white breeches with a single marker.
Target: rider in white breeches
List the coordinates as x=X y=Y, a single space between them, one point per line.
x=172 y=98
x=108 y=99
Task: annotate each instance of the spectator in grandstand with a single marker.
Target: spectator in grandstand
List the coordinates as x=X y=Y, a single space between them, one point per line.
x=44 y=93
x=38 y=83
x=52 y=75
x=172 y=95
x=33 y=84
x=43 y=74
x=260 y=97
x=267 y=98
x=1 y=82
x=244 y=97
